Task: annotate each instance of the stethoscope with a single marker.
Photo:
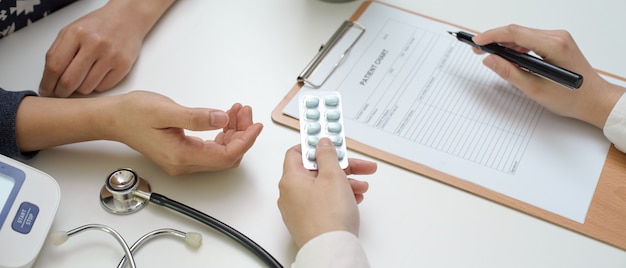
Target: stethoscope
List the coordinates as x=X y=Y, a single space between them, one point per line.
x=124 y=193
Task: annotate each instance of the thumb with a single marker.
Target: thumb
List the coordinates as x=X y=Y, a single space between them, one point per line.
x=327 y=160
x=197 y=119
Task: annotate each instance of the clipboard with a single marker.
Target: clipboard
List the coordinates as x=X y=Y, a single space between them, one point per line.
x=606 y=216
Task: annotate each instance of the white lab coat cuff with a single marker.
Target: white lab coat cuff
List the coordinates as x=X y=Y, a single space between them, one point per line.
x=615 y=126
x=332 y=249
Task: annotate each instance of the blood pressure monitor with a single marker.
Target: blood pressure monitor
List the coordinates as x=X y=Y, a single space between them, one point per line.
x=29 y=200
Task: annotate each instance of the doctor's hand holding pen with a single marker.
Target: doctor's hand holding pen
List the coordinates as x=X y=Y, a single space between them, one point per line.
x=592 y=102
x=150 y=123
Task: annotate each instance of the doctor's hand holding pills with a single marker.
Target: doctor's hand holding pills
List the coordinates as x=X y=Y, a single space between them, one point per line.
x=314 y=202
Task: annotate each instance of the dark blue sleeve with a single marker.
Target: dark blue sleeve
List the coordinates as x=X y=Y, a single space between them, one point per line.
x=8 y=111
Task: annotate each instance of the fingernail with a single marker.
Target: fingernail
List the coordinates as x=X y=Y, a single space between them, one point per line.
x=476 y=38
x=218 y=118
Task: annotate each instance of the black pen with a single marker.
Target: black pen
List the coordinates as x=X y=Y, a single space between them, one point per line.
x=526 y=62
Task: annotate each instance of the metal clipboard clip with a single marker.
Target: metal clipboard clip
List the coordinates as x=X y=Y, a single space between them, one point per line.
x=314 y=65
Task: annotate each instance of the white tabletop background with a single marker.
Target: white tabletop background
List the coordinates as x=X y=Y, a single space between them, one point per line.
x=213 y=53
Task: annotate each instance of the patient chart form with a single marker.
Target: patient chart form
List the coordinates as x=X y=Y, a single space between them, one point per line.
x=411 y=89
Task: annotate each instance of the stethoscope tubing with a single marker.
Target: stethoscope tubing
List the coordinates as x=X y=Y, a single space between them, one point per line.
x=191 y=239
x=145 y=238
x=216 y=224
x=118 y=237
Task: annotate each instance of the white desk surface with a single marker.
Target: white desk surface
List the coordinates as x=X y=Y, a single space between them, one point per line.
x=215 y=53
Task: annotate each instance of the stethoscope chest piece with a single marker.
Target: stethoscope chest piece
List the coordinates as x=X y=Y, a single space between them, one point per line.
x=117 y=196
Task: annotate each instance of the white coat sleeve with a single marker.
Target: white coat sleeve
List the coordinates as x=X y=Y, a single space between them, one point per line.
x=332 y=249
x=615 y=126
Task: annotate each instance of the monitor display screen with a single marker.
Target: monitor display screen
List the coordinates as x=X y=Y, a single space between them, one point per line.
x=6 y=186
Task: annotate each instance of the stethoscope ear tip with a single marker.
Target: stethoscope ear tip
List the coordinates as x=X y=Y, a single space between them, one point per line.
x=58 y=237
x=193 y=239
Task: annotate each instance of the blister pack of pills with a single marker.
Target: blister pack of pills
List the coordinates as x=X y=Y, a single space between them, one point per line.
x=321 y=115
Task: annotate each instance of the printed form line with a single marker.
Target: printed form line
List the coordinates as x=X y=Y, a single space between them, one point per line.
x=448 y=108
